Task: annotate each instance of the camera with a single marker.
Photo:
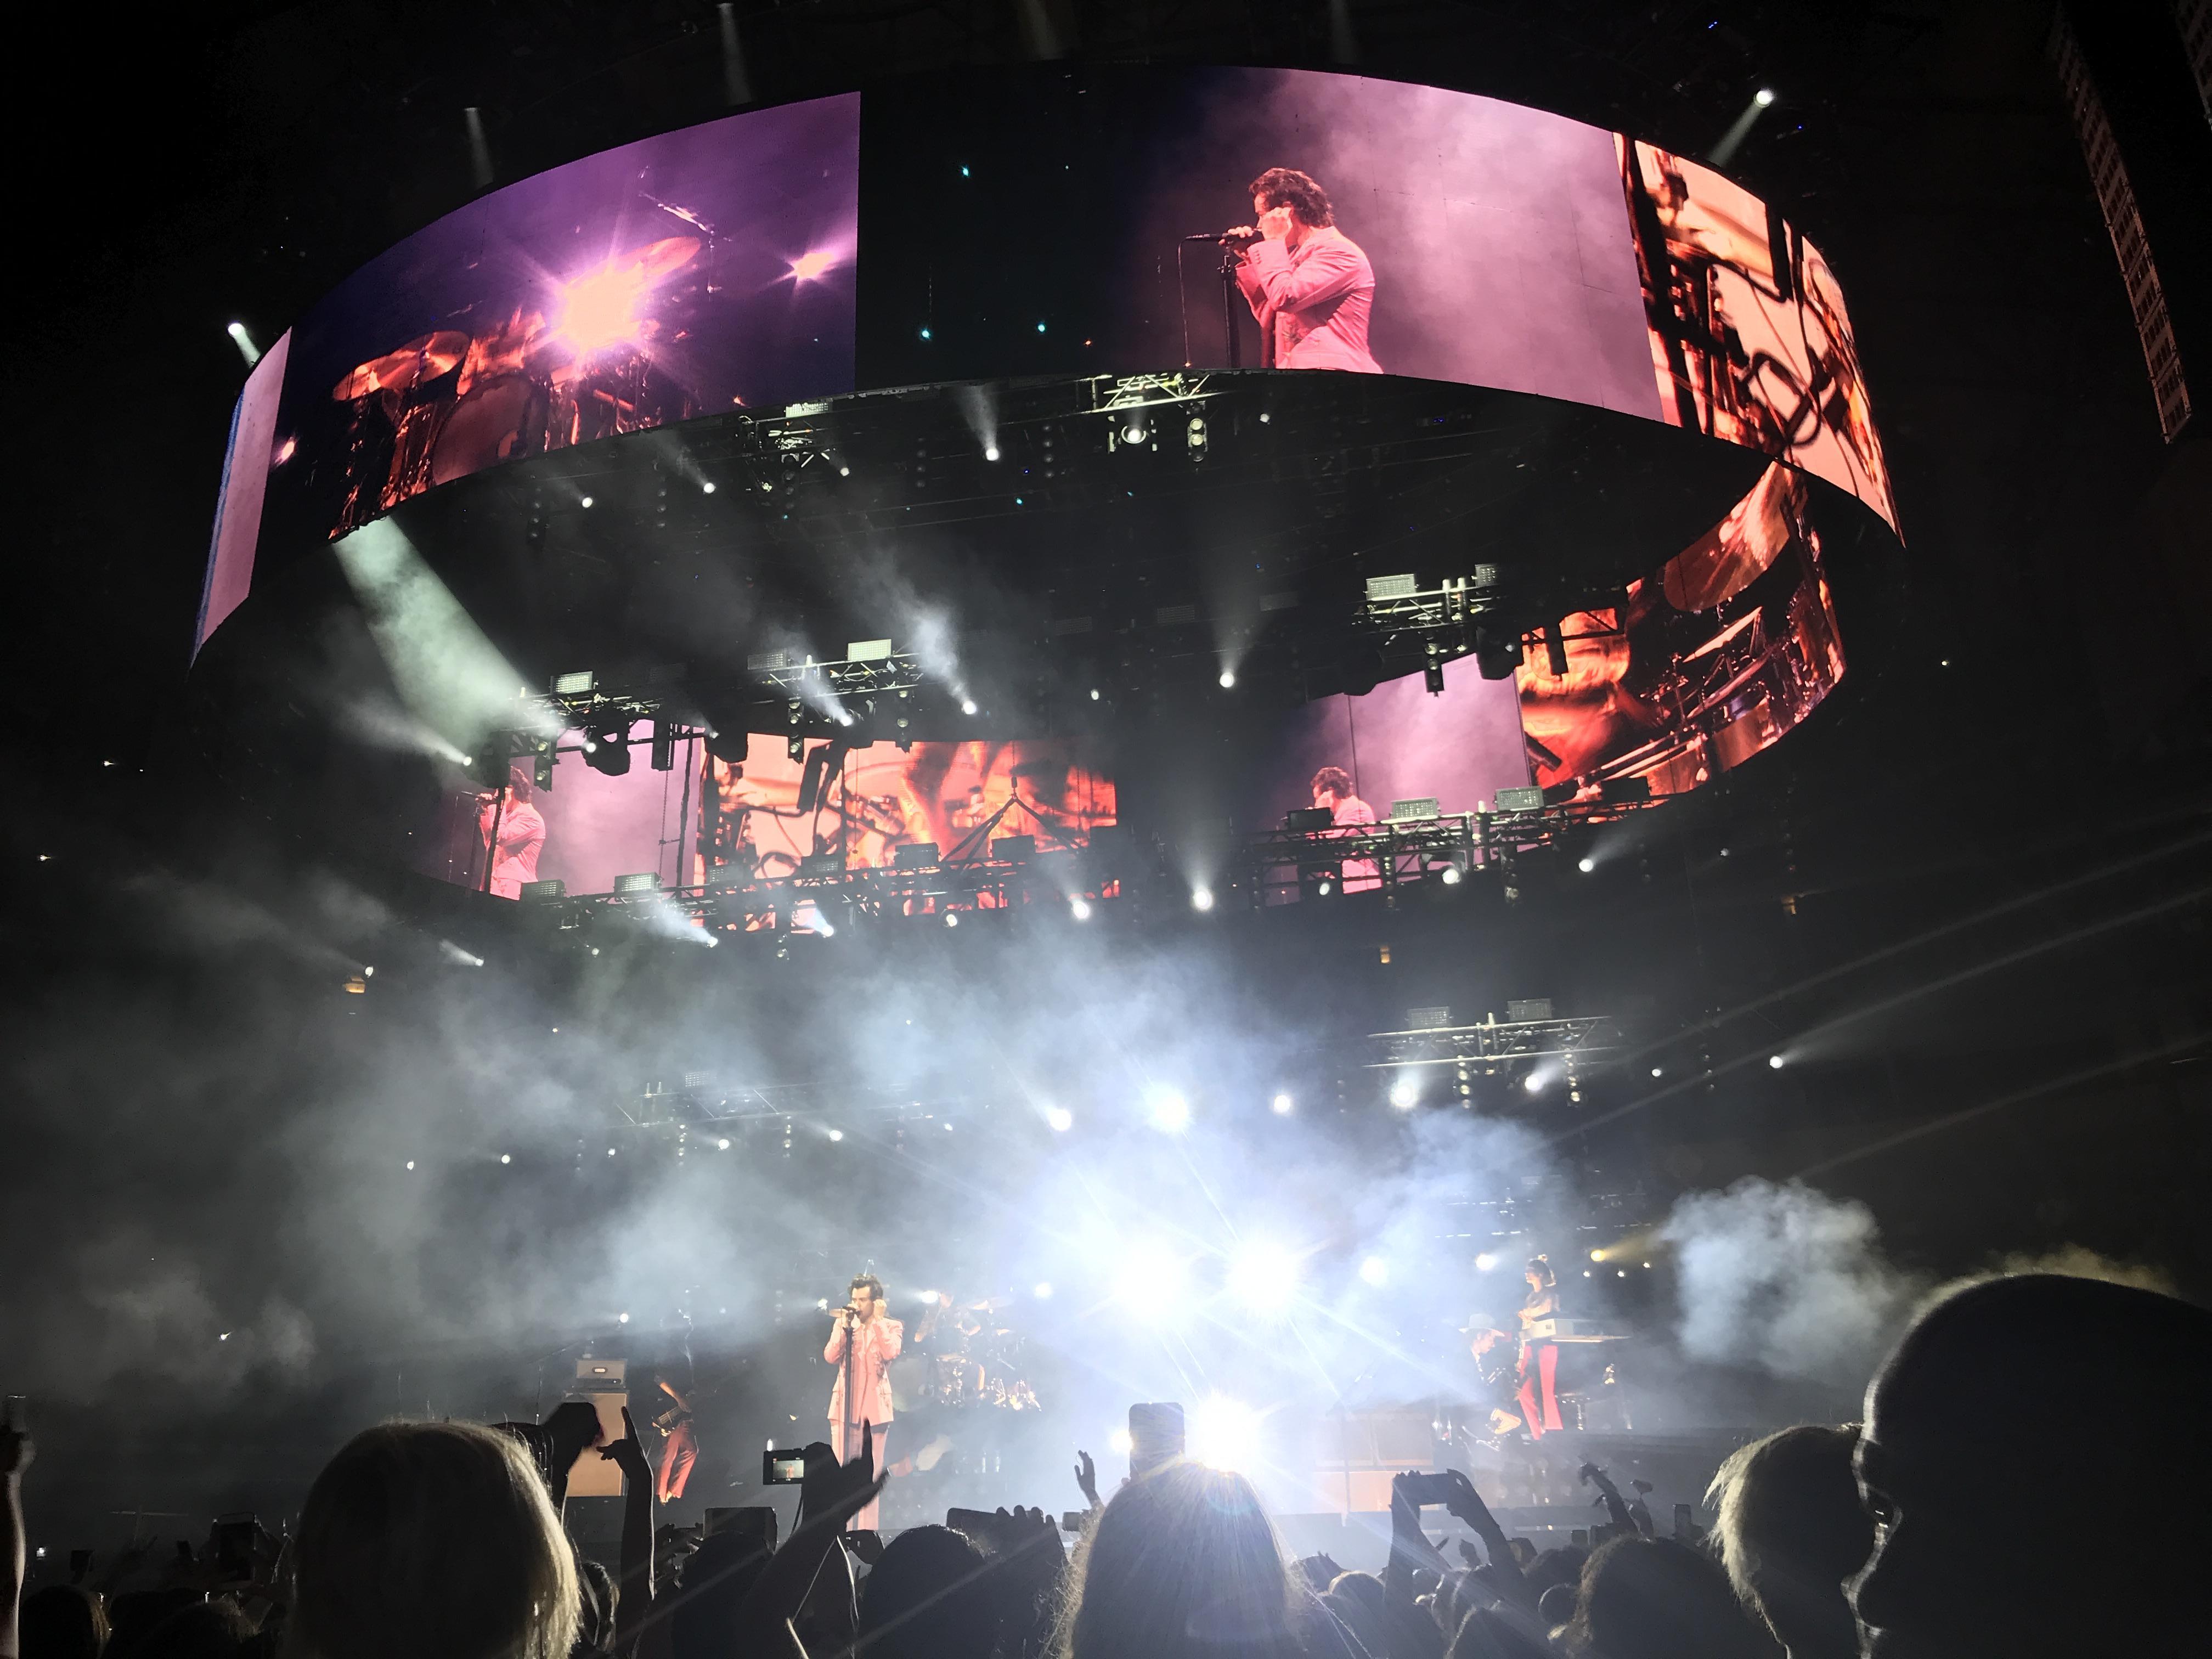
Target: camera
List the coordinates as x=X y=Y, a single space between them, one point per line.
x=782 y=1468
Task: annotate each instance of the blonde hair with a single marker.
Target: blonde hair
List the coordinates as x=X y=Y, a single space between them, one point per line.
x=431 y=1541
x=1182 y=1562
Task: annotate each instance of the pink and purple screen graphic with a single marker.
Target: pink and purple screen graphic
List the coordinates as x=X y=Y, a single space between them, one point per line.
x=700 y=272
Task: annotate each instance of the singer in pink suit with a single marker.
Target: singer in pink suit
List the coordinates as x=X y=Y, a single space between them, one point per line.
x=873 y=1339
x=1308 y=283
x=521 y=831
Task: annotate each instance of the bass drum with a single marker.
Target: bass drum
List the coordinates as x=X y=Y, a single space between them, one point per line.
x=498 y=420
x=913 y=1382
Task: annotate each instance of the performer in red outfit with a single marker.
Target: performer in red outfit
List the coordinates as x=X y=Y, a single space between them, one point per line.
x=521 y=833
x=1540 y=1361
x=862 y=1347
x=1308 y=283
x=679 y=1448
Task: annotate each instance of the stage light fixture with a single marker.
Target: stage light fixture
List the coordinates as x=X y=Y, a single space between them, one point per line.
x=1228 y=680
x=410 y=1163
x=1533 y=1083
x=707 y=488
x=1119 y=1441
x=1079 y=908
x=1375 y=1271
x=1060 y=1117
x=1597 y=1256
x=1324 y=888
x=1775 y=1061
x=1762 y=97
x=837 y=1134
x=1405 y=1094
x=1484 y=1262
x=505 y=1157
x=722 y=1144
x=1268 y=1273
x=795 y=747
x=951 y=918
x=1449 y=875
x=1041 y=1290
x=1283 y=1105
x=1224 y=1433
x=1432 y=679
x=990 y=453
x=1170 y=1112
x=586 y=502
x=1133 y=432
x=1202 y=898
x=606 y=749
x=967 y=705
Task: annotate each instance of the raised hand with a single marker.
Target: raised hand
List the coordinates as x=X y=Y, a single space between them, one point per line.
x=627 y=1455
x=1086 y=1477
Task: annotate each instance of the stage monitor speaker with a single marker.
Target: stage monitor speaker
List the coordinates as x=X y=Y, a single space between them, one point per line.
x=1305 y=819
x=1521 y=801
x=913 y=855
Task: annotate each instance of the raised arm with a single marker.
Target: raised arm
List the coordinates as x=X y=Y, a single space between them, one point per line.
x=841 y=1337
x=16 y=1451
x=635 y=1599
x=1330 y=269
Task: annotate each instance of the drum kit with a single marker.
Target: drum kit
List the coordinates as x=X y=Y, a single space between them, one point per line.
x=975 y=1364
x=451 y=403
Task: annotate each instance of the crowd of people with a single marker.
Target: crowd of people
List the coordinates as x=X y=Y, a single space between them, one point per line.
x=2025 y=1483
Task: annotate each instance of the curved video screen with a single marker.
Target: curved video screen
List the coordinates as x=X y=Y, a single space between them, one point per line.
x=702 y=270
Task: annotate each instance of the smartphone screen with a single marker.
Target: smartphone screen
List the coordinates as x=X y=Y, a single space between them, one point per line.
x=1155 y=1435
x=782 y=1468
x=1684 y=1525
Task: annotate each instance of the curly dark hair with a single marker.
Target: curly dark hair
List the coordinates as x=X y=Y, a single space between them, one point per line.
x=1335 y=779
x=870 y=1283
x=1288 y=187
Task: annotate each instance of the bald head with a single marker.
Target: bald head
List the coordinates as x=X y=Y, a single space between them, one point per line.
x=2023 y=1422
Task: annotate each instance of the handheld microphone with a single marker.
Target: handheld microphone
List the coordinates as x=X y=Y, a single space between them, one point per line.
x=1236 y=233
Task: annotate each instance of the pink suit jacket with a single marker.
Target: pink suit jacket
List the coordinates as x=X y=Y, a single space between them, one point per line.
x=521 y=833
x=875 y=1345
x=1313 y=302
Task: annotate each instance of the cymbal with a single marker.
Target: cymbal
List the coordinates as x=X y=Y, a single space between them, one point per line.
x=425 y=359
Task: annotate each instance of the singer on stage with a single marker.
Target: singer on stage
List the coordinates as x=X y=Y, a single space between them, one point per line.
x=1308 y=283
x=862 y=1345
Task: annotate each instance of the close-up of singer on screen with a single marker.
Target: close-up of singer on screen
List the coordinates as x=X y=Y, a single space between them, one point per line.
x=1309 y=285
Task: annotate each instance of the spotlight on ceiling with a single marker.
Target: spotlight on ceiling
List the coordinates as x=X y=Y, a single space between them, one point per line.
x=1586 y=864
x=1060 y=1118
x=1762 y=97
x=1451 y=877
x=1133 y=431
x=707 y=487
x=1484 y=1262
x=1170 y=1112
x=1202 y=898
x=1283 y=1105
x=1776 y=1061
x=1228 y=680
x=1375 y=1271
x=1079 y=908
x=991 y=452
x=1405 y=1094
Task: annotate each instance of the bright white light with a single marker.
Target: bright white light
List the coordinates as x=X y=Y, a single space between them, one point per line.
x=722 y=1144
x=952 y=918
x=236 y=330
x=1282 y=1104
x=1266 y=1274
x=1119 y=1441
x=1658 y=1070
x=1375 y=1270
x=1079 y=908
x=587 y=501
x=1586 y=866
x=1060 y=1117
x=1170 y=1112
x=968 y=705
x=410 y=1163
x=1151 y=1278
x=622 y=1319
x=1041 y=1290
x=1228 y=680
x=813 y=265
x=1484 y=1262
x=1405 y=1094
x=990 y=453
x=823 y=1304
x=707 y=489
x=1202 y=898
x=1223 y=1433
x=1323 y=889
x=837 y=1134
x=1451 y=875
x=505 y=1157
x=610 y=1152
x=1775 y=1061
x=1533 y=1083
x=369 y=970
x=1094 y=694
x=1762 y=97
x=590 y=748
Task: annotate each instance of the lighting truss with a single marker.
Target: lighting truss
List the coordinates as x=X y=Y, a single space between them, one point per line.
x=1491 y=1043
x=899 y=671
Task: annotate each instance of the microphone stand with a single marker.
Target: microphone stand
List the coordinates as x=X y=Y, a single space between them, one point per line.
x=851 y=1329
x=1229 y=260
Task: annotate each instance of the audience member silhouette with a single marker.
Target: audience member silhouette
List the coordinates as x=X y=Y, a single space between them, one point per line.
x=1791 y=1532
